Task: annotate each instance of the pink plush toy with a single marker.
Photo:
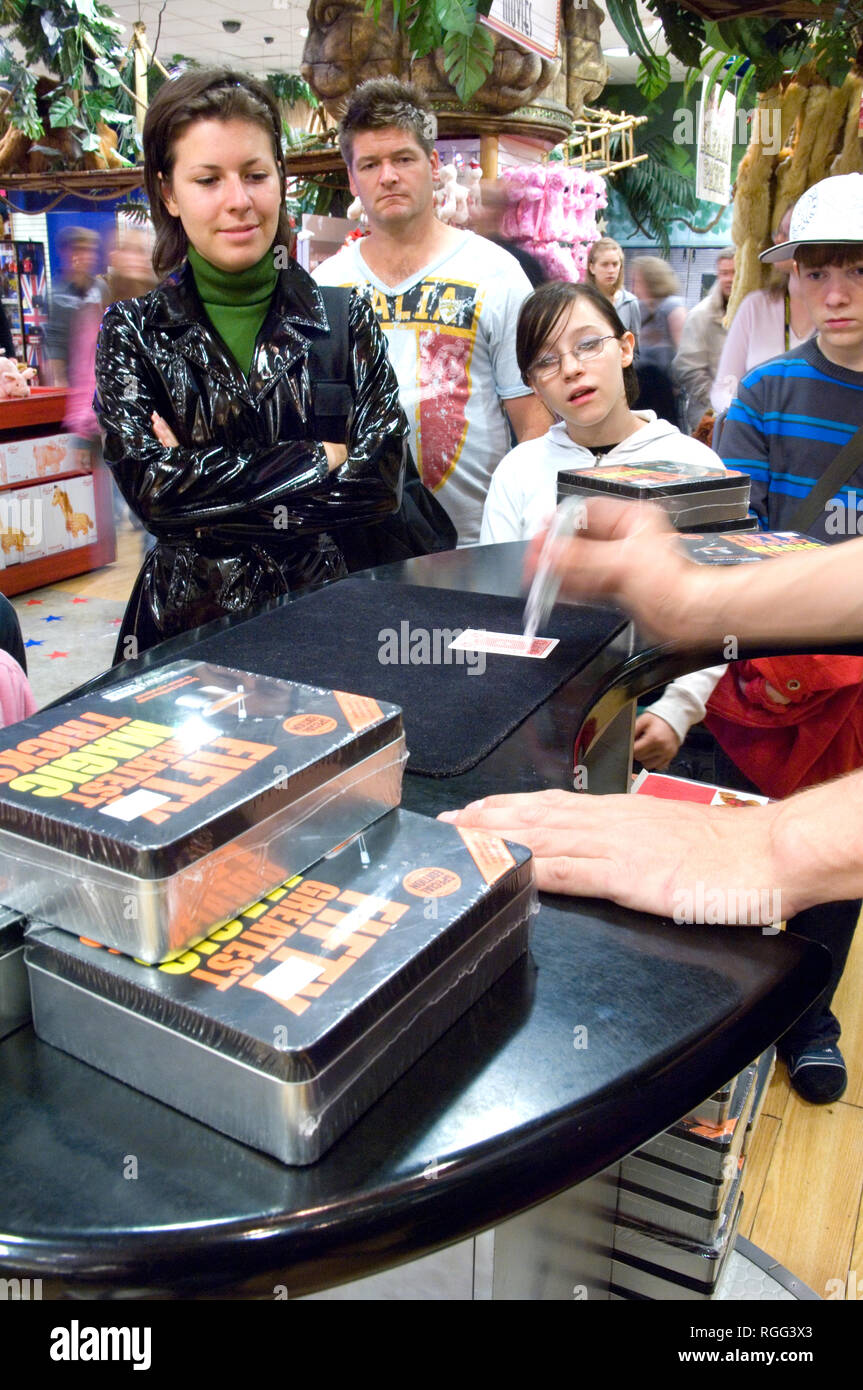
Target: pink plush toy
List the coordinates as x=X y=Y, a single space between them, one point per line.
x=530 y=206
x=570 y=189
x=515 y=181
x=14 y=380
x=580 y=217
x=552 y=224
x=600 y=196
x=558 y=262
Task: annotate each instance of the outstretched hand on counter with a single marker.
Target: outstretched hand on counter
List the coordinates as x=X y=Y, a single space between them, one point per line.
x=637 y=851
x=655 y=855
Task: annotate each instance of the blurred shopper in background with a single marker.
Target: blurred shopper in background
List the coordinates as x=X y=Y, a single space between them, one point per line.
x=486 y=218
x=130 y=274
x=7 y=345
x=605 y=273
x=77 y=290
x=696 y=363
x=767 y=323
x=662 y=318
x=663 y=312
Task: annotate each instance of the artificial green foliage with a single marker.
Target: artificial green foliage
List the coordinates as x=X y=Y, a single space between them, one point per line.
x=653 y=80
x=657 y=190
x=77 y=43
x=290 y=88
x=423 y=29
x=684 y=31
x=454 y=26
x=760 y=49
x=468 y=59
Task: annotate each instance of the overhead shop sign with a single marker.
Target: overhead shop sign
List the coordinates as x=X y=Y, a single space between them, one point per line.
x=715 y=143
x=534 y=23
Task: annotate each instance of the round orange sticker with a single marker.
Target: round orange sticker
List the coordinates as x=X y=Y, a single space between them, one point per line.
x=431 y=883
x=309 y=724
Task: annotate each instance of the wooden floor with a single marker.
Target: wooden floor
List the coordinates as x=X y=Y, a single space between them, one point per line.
x=803 y=1181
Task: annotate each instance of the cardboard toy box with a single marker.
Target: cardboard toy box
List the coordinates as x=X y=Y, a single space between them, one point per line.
x=74 y=500
x=22 y=525
x=692 y=494
x=289 y=1021
x=145 y=813
x=43 y=456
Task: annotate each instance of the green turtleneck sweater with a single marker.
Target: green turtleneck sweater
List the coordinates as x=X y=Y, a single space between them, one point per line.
x=236 y=302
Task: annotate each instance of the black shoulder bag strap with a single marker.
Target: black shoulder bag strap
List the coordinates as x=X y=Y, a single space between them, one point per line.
x=846 y=462
x=420 y=526
x=329 y=368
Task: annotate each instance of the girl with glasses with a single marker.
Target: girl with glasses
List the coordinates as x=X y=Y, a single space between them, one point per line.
x=575 y=353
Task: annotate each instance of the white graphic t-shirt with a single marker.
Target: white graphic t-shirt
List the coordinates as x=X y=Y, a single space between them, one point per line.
x=451 y=335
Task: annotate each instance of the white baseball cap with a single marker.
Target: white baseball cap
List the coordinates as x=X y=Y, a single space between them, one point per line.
x=828 y=213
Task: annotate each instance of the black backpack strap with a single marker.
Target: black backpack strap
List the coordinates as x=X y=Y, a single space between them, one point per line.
x=329 y=368
x=846 y=462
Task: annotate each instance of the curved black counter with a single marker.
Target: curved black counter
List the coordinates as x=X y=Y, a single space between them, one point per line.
x=106 y=1192
x=503 y=1112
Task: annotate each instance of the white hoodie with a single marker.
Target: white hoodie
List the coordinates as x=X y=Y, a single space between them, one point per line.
x=523 y=495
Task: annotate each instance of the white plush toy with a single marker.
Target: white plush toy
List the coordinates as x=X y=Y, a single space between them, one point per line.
x=444 y=198
x=473 y=179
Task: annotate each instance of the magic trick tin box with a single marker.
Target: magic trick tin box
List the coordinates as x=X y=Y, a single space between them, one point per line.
x=146 y=813
x=692 y=494
x=14 y=990
x=290 y=1020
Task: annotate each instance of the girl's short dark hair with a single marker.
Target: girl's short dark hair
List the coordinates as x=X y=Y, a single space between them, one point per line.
x=540 y=316
x=202 y=94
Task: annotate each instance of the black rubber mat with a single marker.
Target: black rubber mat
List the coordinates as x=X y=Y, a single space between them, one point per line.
x=391 y=641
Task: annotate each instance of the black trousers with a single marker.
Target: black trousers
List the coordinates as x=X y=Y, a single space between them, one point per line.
x=829 y=924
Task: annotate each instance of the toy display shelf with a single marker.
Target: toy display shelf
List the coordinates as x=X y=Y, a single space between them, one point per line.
x=41 y=414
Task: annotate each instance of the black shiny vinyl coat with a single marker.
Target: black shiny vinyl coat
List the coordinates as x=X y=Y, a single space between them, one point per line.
x=242 y=509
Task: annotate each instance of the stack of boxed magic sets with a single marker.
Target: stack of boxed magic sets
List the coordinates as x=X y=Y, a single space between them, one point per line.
x=228 y=908
x=680 y=1197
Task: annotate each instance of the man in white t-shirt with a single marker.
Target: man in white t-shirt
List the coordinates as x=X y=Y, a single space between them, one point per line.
x=446 y=299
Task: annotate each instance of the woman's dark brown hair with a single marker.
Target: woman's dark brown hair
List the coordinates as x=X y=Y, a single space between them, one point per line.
x=540 y=318
x=204 y=94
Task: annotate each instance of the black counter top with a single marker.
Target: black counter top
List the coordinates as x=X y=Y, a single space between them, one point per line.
x=513 y=1104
